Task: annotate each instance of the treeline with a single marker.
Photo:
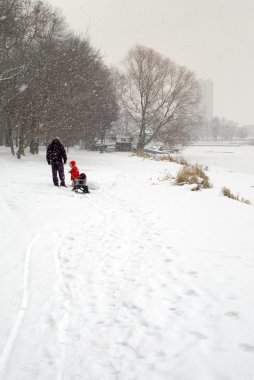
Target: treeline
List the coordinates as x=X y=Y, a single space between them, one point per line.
x=221 y=129
x=54 y=83
x=51 y=81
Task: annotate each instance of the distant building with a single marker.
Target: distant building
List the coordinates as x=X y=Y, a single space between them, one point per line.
x=114 y=142
x=206 y=105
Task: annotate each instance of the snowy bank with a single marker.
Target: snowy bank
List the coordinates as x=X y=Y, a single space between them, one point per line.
x=137 y=280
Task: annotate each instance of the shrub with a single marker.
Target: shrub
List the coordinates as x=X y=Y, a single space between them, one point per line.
x=142 y=154
x=161 y=157
x=168 y=157
x=227 y=193
x=193 y=174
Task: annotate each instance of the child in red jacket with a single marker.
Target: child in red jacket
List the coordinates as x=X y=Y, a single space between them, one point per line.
x=74 y=172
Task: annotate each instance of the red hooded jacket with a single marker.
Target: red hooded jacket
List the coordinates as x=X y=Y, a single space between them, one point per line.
x=74 y=170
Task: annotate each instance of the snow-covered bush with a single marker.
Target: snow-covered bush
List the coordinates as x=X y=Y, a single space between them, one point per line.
x=193 y=174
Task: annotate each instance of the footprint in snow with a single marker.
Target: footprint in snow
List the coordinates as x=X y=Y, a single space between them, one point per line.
x=247 y=347
x=192 y=273
x=198 y=335
x=232 y=314
x=160 y=354
x=191 y=292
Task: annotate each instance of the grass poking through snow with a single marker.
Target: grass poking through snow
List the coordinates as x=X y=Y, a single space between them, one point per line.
x=227 y=193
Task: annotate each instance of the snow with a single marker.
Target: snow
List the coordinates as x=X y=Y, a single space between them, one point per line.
x=237 y=159
x=23 y=87
x=139 y=279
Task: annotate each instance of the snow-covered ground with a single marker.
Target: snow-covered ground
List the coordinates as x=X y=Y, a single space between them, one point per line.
x=137 y=280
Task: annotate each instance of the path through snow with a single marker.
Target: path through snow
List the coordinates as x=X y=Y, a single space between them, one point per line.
x=133 y=281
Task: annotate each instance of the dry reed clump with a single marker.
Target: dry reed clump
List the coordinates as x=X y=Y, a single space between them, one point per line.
x=168 y=157
x=161 y=157
x=227 y=193
x=182 y=161
x=193 y=174
x=142 y=154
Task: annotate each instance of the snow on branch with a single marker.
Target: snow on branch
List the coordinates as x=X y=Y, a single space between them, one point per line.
x=11 y=73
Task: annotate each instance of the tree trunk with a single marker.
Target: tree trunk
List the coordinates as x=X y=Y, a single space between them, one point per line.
x=37 y=146
x=34 y=146
x=34 y=141
x=9 y=136
x=21 y=149
x=12 y=147
x=2 y=133
x=140 y=148
x=141 y=140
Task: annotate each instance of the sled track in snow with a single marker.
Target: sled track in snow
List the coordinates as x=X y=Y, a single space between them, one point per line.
x=21 y=313
x=65 y=321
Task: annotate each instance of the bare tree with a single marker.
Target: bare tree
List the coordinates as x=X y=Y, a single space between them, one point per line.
x=160 y=96
x=51 y=81
x=81 y=96
x=26 y=26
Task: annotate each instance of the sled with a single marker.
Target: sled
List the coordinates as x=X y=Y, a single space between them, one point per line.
x=80 y=186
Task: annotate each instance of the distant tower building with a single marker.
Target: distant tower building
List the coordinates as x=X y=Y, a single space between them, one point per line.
x=206 y=99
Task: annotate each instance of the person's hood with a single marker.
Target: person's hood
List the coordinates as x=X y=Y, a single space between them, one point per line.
x=56 y=142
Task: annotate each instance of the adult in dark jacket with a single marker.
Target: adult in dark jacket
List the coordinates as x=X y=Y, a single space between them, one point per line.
x=56 y=157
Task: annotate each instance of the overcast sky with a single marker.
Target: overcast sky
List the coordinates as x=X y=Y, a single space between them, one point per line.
x=215 y=38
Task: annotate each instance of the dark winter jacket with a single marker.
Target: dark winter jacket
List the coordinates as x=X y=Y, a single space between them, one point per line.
x=56 y=152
